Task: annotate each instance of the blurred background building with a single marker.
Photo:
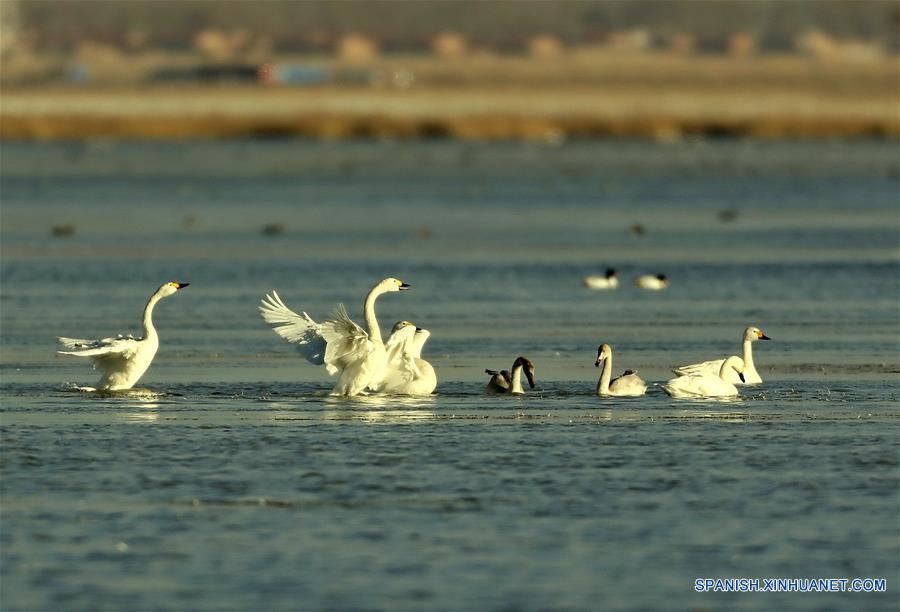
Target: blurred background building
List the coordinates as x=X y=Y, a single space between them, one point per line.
x=840 y=47
x=222 y=30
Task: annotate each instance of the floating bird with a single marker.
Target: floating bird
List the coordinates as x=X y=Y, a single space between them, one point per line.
x=63 y=231
x=503 y=382
x=610 y=281
x=705 y=384
x=123 y=359
x=651 y=282
x=628 y=384
x=747 y=367
x=273 y=229
x=637 y=230
x=343 y=347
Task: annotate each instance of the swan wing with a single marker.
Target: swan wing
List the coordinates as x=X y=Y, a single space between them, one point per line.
x=499 y=382
x=74 y=344
x=299 y=329
x=401 y=358
x=712 y=367
x=347 y=343
x=628 y=384
x=105 y=354
x=399 y=345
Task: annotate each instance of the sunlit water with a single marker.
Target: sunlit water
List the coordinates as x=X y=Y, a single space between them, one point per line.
x=232 y=481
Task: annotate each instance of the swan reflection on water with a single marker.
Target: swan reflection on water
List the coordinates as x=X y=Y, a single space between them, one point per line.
x=141 y=417
x=382 y=408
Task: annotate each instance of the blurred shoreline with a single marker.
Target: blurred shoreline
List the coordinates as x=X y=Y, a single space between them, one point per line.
x=662 y=97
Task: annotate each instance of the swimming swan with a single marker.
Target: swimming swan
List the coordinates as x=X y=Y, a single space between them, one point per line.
x=654 y=283
x=123 y=359
x=502 y=382
x=407 y=373
x=345 y=348
x=705 y=384
x=610 y=281
x=628 y=384
x=751 y=376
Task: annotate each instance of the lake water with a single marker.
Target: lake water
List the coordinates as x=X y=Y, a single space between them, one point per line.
x=233 y=482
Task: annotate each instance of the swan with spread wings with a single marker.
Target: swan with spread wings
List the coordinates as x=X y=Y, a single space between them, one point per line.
x=356 y=355
x=123 y=359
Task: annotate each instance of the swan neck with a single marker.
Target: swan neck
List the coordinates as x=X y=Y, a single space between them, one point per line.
x=605 y=375
x=371 y=320
x=516 y=386
x=748 y=354
x=723 y=371
x=149 y=330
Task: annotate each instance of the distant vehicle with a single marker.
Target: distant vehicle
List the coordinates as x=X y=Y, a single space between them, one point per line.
x=294 y=74
x=218 y=73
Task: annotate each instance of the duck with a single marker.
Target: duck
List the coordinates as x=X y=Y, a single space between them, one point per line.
x=408 y=373
x=504 y=382
x=748 y=367
x=356 y=355
x=652 y=282
x=629 y=384
x=705 y=384
x=609 y=281
x=123 y=360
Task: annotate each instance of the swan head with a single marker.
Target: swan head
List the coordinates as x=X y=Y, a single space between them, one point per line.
x=170 y=288
x=603 y=352
x=401 y=325
x=736 y=364
x=408 y=331
x=611 y=273
x=527 y=367
x=391 y=284
x=754 y=333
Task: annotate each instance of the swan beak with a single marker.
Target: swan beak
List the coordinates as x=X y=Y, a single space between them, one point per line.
x=762 y=336
x=530 y=378
x=181 y=285
x=418 y=329
x=404 y=286
x=741 y=376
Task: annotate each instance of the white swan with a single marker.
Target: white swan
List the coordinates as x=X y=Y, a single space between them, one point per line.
x=123 y=359
x=610 y=281
x=705 y=384
x=345 y=348
x=652 y=282
x=407 y=373
x=748 y=368
x=628 y=384
x=503 y=382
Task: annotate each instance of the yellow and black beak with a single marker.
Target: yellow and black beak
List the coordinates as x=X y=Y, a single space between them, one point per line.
x=404 y=286
x=762 y=336
x=180 y=285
